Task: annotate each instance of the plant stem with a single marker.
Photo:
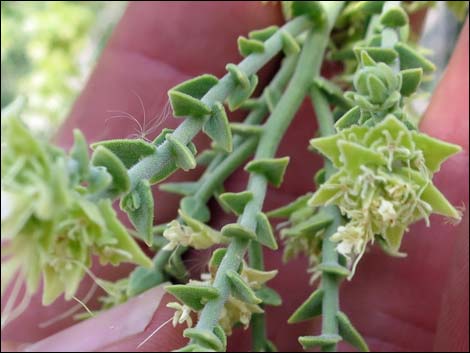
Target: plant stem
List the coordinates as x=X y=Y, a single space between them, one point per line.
x=189 y=128
x=329 y=282
x=309 y=64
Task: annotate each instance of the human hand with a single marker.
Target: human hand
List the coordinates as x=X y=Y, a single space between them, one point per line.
x=417 y=303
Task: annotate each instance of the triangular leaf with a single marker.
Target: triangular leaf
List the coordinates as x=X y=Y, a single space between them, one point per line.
x=240 y=288
x=238 y=76
x=104 y=157
x=287 y=210
x=264 y=232
x=250 y=46
x=235 y=230
x=139 y=206
x=312 y=9
x=218 y=129
x=354 y=156
x=310 y=226
x=204 y=337
x=435 y=151
x=289 y=44
x=328 y=146
x=334 y=268
x=236 y=201
x=142 y=279
x=377 y=90
x=198 y=86
x=194 y=296
x=377 y=54
x=195 y=208
x=394 y=17
x=184 y=158
x=351 y=117
x=128 y=151
x=350 y=334
x=309 y=309
x=332 y=92
x=220 y=333
x=185 y=105
x=240 y=93
x=393 y=236
x=411 y=59
x=410 y=81
x=269 y=296
x=263 y=34
x=79 y=153
x=273 y=169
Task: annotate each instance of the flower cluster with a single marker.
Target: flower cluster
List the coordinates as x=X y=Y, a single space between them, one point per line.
x=50 y=229
x=236 y=310
x=383 y=183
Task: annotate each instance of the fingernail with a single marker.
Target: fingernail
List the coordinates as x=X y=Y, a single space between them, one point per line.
x=111 y=326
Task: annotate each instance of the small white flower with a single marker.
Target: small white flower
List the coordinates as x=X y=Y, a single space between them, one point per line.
x=176 y=234
x=350 y=239
x=182 y=314
x=387 y=211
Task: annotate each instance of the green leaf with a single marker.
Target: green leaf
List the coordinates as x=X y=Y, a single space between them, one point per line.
x=311 y=225
x=204 y=337
x=139 y=206
x=216 y=259
x=269 y=296
x=238 y=76
x=273 y=169
x=241 y=93
x=411 y=79
x=328 y=146
x=246 y=129
x=220 y=333
x=197 y=87
x=185 y=105
x=194 y=296
x=271 y=96
x=435 y=151
x=270 y=346
x=205 y=157
x=393 y=236
x=320 y=177
x=263 y=34
x=287 y=210
x=289 y=44
x=377 y=90
x=377 y=54
x=184 y=188
x=349 y=333
x=319 y=341
x=161 y=138
x=309 y=309
x=334 y=268
x=411 y=59
x=240 y=288
x=218 y=129
x=184 y=158
x=326 y=192
x=250 y=46
x=264 y=232
x=394 y=17
x=236 y=201
x=354 y=156
x=235 y=230
x=365 y=58
x=142 y=279
x=99 y=179
x=351 y=117
x=167 y=170
x=123 y=240
x=195 y=208
x=79 y=153
x=312 y=9
x=105 y=158
x=431 y=194
x=128 y=151
x=333 y=93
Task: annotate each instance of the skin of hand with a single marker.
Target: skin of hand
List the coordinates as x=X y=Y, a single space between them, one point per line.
x=419 y=303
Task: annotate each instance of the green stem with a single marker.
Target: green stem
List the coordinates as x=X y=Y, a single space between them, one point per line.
x=329 y=282
x=309 y=64
x=189 y=128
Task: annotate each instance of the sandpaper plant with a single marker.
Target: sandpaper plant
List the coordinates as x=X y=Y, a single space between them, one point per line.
x=376 y=182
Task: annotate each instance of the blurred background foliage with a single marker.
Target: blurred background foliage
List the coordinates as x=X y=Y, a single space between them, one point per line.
x=48 y=48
